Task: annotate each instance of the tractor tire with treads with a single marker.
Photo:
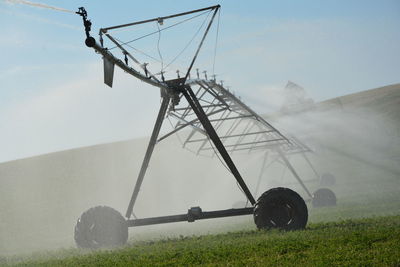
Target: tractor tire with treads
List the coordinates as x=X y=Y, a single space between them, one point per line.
x=323 y=197
x=280 y=208
x=101 y=227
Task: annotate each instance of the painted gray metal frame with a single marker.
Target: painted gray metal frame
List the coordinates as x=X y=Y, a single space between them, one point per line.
x=192 y=215
x=166 y=91
x=228 y=104
x=169 y=90
x=241 y=112
x=265 y=136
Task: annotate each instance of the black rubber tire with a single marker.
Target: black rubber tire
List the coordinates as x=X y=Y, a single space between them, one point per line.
x=323 y=197
x=280 y=208
x=101 y=227
x=327 y=179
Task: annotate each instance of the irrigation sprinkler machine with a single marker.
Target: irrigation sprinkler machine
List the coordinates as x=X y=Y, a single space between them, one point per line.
x=212 y=121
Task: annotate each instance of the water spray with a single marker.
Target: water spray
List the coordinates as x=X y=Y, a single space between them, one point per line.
x=40 y=5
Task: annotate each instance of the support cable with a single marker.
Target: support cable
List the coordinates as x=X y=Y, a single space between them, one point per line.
x=226 y=167
x=200 y=45
x=158 y=47
x=191 y=40
x=177 y=135
x=138 y=50
x=218 y=156
x=149 y=34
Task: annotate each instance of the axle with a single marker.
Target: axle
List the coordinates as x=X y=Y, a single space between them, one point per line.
x=192 y=215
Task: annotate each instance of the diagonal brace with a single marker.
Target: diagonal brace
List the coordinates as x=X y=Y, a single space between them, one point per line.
x=196 y=107
x=290 y=167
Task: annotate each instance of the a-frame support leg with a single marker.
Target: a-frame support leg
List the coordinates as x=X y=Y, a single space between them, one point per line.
x=201 y=115
x=149 y=151
x=282 y=155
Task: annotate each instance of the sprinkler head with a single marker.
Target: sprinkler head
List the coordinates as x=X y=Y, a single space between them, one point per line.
x=90 y=42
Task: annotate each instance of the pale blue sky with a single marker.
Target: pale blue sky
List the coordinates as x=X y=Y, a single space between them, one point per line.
x=52 y=96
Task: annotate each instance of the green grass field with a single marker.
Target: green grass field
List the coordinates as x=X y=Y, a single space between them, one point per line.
x=358 y=242
x=362 y=230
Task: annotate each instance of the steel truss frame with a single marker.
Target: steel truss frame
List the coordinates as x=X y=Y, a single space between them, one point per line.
x=239 y=127
x=220 y=123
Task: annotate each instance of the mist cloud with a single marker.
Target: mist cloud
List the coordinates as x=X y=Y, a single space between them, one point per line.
x=40 y=5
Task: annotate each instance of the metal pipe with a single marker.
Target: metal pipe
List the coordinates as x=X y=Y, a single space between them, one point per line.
x=132 y=57
x=230 y=136
x=107 y=54
x=201 y=43
x=248 y=109
x=250 y=143
x=104 y=30
x=294 y=172
x=190 y=216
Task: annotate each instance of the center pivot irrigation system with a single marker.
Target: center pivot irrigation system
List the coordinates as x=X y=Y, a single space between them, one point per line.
x=211 y=121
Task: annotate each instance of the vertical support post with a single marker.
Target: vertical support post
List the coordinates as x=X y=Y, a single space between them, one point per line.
x=294 y=172
x=149 y=152
x=201 y=115
x=261 y=172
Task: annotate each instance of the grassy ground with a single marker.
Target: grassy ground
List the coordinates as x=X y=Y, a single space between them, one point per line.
x=362 y=230
x=358 y=242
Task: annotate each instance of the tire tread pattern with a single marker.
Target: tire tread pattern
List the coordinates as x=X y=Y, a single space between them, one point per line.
x=299 y=207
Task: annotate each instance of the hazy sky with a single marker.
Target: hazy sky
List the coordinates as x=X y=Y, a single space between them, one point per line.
x=52 y=95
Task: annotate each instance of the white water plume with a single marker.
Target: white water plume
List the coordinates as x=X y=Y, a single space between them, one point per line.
x=24 y=2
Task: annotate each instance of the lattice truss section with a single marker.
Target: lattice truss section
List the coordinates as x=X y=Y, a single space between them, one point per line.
x=239 y=127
